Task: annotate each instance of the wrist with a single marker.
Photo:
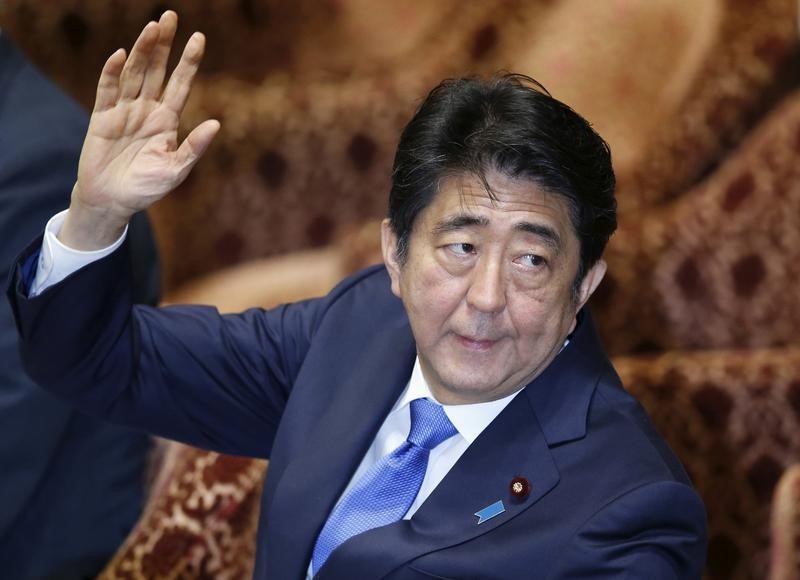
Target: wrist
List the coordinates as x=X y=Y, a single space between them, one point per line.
x=88 y=228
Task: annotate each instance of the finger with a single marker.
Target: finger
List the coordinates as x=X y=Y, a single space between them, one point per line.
x=180 y=82
x=154 y=76
x=133 y=74
x=195 y=144
x=108 y=85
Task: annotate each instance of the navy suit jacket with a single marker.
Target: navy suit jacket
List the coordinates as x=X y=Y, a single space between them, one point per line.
x=308 y=385
x=71 y=486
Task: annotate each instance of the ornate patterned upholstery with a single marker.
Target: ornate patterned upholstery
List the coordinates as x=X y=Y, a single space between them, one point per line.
x=700 y=308
x=200 y=521
x=733 y=419
x=715 y=267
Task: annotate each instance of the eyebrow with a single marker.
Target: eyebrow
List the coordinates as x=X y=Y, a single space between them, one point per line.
x=546 y=233
x=457 y=222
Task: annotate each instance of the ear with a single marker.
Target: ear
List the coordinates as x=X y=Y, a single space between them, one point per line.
x=389 y=250
x=590 y=282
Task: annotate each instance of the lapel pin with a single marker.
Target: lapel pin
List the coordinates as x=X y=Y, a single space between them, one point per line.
x=520 y=487
x=490 y=511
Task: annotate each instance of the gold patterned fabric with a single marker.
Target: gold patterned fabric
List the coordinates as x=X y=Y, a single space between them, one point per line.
x=200 y=521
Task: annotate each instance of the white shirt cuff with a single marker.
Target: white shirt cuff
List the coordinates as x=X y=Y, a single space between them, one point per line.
x=57 y=261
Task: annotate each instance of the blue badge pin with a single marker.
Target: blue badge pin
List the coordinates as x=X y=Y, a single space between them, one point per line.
x=490 y=511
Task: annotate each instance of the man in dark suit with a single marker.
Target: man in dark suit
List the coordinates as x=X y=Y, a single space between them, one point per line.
x=450 y=414
x=71 y=486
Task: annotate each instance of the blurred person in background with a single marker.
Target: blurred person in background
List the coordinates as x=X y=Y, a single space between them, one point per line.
x=72 y=486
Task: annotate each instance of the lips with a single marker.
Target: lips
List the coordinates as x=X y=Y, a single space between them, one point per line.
x=475 y=344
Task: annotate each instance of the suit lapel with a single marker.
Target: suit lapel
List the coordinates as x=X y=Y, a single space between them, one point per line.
x=314 y=480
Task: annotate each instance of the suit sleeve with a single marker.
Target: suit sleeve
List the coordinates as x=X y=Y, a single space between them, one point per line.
x=657 y=531
x=186 y=373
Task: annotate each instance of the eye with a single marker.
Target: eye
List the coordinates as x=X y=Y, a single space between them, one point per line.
x=532 y=260
x=462 y=249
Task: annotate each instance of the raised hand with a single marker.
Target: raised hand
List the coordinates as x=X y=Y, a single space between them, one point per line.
x=131 y=157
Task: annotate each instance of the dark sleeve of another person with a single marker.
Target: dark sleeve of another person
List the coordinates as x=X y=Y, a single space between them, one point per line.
x=71 y=486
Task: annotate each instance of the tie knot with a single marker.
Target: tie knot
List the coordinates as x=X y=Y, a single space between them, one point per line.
x=429 y=424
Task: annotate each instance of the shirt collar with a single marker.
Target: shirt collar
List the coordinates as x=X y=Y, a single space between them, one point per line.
x=470 y=420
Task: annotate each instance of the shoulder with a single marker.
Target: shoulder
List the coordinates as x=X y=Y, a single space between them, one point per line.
x=363 y=298
x=372 y=279
x=618 y=417
x=611 y=432
x=351 y=312
x=47 y=117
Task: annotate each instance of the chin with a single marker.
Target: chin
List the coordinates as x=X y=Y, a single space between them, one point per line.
x=468 y=388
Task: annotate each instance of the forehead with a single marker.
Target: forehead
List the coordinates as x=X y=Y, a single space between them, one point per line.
x=512 y=202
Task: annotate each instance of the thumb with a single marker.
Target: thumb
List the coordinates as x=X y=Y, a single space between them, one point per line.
x=195 y=144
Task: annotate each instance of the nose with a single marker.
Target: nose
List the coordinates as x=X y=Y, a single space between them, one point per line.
x=487 y=290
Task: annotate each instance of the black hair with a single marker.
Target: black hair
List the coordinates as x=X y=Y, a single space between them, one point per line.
x=510 y=124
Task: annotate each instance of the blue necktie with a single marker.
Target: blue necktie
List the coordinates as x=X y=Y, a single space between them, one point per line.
x=383 y=494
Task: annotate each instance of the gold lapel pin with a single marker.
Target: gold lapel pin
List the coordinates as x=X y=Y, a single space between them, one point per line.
x=520 y=487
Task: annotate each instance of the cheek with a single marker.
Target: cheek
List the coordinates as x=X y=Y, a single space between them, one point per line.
x=431 y=298
x=540 y=317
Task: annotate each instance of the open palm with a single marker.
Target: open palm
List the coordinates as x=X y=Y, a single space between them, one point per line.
x=131 y=156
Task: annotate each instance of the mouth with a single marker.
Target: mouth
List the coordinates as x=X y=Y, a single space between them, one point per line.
x=474 y=343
